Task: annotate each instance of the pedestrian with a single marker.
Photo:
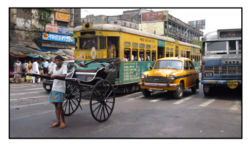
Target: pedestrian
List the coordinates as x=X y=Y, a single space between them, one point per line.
x=25 y=68
x=17 y=71
x=45 y=65
x=51 y=65
x=29 y=78
x=35 y=69
x=58 y=91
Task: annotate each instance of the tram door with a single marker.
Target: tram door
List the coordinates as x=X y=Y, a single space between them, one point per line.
x=113 y=47
x=160 y=52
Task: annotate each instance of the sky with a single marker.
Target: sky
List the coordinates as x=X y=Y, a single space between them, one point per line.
x=215 y=18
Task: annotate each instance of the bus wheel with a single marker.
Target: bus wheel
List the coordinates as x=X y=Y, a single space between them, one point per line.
x=206 y=90
x=146 y=93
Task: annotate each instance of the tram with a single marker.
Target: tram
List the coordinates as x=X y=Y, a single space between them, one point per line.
x=136 y=50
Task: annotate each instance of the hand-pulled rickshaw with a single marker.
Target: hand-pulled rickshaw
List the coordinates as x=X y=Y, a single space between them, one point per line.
x=96 y=77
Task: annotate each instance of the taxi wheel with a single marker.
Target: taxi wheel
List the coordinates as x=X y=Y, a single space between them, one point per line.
x=146 y=93
x=179 y=92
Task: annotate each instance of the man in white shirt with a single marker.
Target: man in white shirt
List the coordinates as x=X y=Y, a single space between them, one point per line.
x=51 y=65
x=35 y=69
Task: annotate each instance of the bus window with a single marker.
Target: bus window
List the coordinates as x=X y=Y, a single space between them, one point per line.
x=126 y=55
x=239 y=46
x=232 y=47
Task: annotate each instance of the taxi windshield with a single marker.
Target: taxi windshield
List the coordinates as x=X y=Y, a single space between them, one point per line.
x=168 y=64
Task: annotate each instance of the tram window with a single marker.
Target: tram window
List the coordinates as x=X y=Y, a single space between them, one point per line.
x=88 y=43
x=153 y=56
x=134 y=56
x=141 y=57
x=126 y=55
x=102 y=42
x=167 y=52
x=176 y=52
x=148 y=56
x=142 y=46
x=171 y=52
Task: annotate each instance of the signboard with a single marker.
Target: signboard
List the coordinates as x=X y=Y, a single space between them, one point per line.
x=51 y=28
x=62 y=17
x=154 y=16
x=63 y=10
x=200 y=24
x=161 y=43
x=63 y=30
x=58 y=37
x=154 y=28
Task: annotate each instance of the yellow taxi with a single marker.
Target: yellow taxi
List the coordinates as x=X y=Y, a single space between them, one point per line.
x=170 y=74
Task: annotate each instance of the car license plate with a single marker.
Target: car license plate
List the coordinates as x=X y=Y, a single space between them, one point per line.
x=157 y=89
x=48 y=87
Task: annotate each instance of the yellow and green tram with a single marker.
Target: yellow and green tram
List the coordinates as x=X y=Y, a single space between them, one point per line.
x=136 y=50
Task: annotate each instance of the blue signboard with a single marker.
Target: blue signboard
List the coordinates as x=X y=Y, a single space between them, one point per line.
x=58 y=37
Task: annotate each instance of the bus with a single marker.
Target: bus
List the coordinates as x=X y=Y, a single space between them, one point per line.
x=136 y=50
x=222 y=62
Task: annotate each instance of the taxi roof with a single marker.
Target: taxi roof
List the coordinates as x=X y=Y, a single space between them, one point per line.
x=175 y=58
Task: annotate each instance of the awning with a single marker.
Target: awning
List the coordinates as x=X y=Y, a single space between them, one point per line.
x=22 y=49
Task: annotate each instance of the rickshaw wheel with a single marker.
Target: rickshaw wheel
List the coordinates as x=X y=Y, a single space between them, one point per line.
x=102 y=100
x=72 y=99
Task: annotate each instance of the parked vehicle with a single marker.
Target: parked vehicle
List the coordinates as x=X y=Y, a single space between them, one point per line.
x=222 y=63
x=170 y=74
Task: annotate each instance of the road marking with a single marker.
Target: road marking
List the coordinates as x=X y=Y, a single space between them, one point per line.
x=35 y=114
x=207 y=103
x=32 y=89
x=27 y=105
x=139 y=97
x=131 y=99
x=14 y=99
x=23 y=93
x=132 y=94
x=155 y=100
x=236 y=106
x=182 y=100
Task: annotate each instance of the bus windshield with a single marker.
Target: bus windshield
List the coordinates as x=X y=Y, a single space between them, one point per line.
x=168 y=64
x=216 y=46
x=88 y=43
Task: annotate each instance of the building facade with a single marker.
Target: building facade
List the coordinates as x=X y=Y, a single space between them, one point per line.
x=160 y=23
x=43 y=30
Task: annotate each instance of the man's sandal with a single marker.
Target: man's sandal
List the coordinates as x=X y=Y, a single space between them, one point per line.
x=55 y=124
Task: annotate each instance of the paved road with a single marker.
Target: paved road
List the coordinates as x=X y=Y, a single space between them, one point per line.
x=134 y=116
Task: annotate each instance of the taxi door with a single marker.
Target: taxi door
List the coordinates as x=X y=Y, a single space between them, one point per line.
x=187 y=77
x=193 y=74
